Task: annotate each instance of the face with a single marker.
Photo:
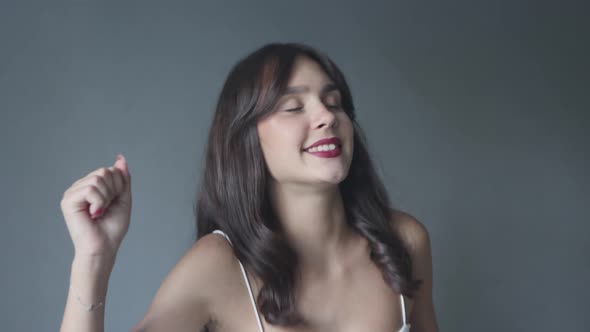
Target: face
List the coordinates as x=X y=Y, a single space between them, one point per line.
x=293 y=138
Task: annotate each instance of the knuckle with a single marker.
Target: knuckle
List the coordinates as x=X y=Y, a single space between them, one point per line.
x=102 y=171
x=98 y=198
x=90 y=190
x=96 y=180
x=65 y=197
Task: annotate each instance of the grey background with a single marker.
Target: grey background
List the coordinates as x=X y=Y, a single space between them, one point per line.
x=476 y=113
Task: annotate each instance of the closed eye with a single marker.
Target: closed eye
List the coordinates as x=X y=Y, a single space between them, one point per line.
x=294 y=109
x=332 y=107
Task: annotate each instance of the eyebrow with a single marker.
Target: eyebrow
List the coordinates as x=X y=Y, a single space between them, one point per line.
x=304 y=88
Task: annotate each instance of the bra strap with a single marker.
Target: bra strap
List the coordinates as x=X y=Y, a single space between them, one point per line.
x=252 y=301
x=403 y=308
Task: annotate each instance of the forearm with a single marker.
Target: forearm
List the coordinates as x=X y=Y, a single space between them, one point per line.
x=89 y=279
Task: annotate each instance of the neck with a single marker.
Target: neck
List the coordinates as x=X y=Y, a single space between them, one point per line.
x=315 y=225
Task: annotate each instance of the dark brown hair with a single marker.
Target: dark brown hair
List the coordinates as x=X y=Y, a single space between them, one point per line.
x=233 y=192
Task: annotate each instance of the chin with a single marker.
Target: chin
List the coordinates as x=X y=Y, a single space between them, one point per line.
x=333 y=179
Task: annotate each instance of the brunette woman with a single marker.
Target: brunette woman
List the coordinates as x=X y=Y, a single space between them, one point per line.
x=295 y=229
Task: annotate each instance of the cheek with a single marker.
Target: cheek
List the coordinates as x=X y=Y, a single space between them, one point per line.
x=347 y=124
x=346 y=127
x=264 y=135
x=279 y=140
x=347 y=130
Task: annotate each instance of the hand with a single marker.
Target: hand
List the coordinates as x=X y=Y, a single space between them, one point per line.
x=97 y=210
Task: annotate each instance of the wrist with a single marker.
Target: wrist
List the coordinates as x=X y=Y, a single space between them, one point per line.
x=89 y=279
x=94 y=262
x=93 y=269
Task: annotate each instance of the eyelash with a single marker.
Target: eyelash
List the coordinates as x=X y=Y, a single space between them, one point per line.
x=301 y=108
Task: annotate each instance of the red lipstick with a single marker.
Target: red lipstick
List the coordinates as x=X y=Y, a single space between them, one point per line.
x=331 y=140
x=332 y=146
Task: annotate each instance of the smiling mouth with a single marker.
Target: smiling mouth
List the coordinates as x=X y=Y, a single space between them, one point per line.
x=325 y=150
x=326 y=144
x=324 y=147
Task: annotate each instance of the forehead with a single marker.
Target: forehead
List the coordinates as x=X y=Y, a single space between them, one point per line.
x=308 y=72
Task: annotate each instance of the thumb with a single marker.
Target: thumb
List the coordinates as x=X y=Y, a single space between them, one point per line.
x=121 y=164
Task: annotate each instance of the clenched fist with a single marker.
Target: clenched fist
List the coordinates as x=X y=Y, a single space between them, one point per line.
x=97 y=210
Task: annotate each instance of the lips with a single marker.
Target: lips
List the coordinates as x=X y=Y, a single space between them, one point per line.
x=326 y=148
x=332 y=140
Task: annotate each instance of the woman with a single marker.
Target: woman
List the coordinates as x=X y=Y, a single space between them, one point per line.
x=295 y=232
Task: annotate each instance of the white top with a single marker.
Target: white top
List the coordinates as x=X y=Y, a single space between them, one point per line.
x=404 y=328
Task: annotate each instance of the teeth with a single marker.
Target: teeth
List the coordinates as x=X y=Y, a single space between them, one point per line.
x=325 y=147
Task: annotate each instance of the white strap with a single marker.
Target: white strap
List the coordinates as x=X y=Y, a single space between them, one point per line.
x=403 y=309
x=252 y=301
x=252 y=298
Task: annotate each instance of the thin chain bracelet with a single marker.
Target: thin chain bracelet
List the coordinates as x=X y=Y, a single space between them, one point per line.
x=88 y=307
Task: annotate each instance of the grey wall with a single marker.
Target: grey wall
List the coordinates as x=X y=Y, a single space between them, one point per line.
x=476 y=112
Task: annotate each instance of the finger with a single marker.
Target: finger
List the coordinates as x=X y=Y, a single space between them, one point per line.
x=118 y=180
x=77 y=182
x=107 y=176
x=83 y=198
x=121 y=164
x=98 y=171
x=96 y=181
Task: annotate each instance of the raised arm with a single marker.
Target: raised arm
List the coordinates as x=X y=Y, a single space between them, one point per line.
x=97 y=211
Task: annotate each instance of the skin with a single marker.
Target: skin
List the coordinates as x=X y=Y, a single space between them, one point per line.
x=305 y=187
x=341 y=289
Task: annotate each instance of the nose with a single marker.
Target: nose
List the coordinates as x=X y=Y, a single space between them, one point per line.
x=324 y=117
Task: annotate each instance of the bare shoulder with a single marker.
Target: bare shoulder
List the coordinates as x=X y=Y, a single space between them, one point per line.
x=417 y=240
x=204 y=262
x=185 y=298
x=214 y=251
x=411 y=230
x=209 y=258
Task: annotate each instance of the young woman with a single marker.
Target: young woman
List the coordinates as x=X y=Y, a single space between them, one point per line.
x=295 y=232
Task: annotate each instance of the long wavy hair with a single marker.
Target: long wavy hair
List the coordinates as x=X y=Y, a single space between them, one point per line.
x=234 y=195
